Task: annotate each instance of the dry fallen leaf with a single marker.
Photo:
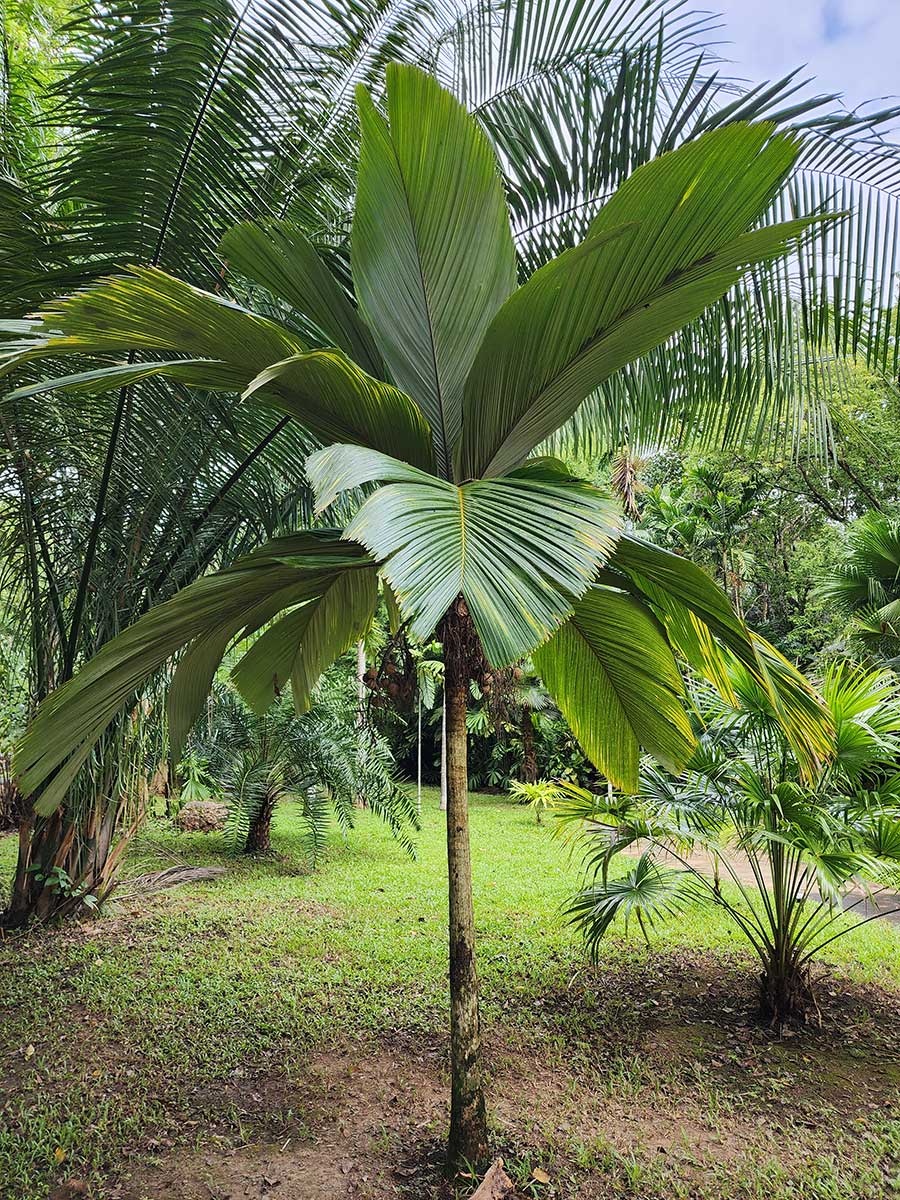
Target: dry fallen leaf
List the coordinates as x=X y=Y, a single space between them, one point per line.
x=59 y=1155
x=540 y=1175
x=29 y=1050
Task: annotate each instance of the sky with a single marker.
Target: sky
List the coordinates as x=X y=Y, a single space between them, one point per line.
x=851 y=46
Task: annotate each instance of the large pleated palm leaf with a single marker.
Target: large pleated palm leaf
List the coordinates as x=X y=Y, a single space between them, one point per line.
x=865 y=584
x=442 y=379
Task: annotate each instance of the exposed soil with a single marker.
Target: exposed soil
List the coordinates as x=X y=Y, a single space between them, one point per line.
x=359 y=1108
x=366 y=1121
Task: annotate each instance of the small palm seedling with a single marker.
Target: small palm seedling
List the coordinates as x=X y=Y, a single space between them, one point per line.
x=541 y=796
x=802 y=853
x=196 y=783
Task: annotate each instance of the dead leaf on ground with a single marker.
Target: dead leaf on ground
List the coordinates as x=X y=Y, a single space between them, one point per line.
x=496 y=1185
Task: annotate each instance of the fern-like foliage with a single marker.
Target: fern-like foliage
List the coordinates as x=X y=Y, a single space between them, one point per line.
x=326 y=762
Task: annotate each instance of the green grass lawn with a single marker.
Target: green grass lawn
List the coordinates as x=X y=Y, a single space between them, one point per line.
x=127 y=1038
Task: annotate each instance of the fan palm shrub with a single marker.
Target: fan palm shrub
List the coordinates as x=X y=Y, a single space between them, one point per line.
x=865 y=585
x=443 y=382
x=796 y=851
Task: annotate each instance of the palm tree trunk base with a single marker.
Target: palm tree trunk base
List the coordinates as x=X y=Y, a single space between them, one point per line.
x=786 y=997
x=259 y=836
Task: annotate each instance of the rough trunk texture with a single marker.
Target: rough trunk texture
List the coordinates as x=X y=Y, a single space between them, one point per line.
x=785 y=995
x=64 y=868
x=259 y=837
x=444 y=751
x=468 y=1121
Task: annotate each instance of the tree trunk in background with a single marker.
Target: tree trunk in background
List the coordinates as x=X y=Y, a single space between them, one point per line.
x=468 y=1122
x=529 y=754
x=259 y=836
x=360 y=801
x=444 y=747
x=419 y=758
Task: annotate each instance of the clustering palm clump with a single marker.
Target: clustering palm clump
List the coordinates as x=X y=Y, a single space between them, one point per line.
x=784 y=852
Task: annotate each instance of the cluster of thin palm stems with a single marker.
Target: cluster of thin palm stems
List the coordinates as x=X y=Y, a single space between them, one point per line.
x=791 y=857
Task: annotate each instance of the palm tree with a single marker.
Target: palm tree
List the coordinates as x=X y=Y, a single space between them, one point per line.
x=323 y=761
x=157 y=130
x=443 y=380
x=866 y=584
x=815 y=846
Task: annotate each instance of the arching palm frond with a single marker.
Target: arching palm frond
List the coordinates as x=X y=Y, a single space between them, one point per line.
x=866 y=584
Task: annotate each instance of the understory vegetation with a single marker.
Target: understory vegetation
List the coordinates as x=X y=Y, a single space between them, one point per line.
x=201 y=1030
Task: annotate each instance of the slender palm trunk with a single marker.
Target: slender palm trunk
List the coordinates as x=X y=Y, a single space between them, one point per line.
x=444 y=748
x=360 y=800
x=529 y=753
x=419 y=758
x=468 y=1121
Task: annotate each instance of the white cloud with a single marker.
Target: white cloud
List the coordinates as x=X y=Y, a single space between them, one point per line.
x=849 y=45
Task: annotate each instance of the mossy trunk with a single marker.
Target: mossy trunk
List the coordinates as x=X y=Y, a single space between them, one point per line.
x=468 y=1122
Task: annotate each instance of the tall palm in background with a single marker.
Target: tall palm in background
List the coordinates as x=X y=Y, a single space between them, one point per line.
x=442 y=382
x=151 y=131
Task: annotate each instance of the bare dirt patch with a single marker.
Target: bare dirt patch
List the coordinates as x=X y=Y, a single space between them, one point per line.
x=357 y=1122
x=688 y=1096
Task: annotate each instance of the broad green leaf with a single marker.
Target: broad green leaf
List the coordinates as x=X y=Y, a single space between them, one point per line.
x=432 y=252
x=237 y=600
x=323 y=558
x=700 y=623
x=612 y=673
x=520 y=549
x=279 y=256
x=331 y=396
x=147 y=309
x=299 y=647
x=699 y=619
x=670 y=242
x=342 y=467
